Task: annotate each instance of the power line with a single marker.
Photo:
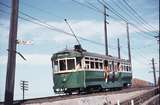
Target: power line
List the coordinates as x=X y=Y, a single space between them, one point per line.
x=87 y=6
x=114 y=12
x=137 y=14
x=42 y=10
x=84 y=39
x=146 y=25
x=122 y=17
x=51 y=27
x=132 y=15
x=96 y=8
x=48 y=27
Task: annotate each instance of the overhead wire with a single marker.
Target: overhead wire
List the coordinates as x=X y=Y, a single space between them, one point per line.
x=42 y=10
x=115 y=13
x=51 y=27
x=126 y=20
x=87 y=6
x=119 y=15
x=136 y=14
x=131 y=15
x=139 y=19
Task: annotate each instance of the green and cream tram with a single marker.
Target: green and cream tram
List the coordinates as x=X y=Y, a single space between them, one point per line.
x=79 y=70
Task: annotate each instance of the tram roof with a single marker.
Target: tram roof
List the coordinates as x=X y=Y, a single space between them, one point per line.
x=73 y=53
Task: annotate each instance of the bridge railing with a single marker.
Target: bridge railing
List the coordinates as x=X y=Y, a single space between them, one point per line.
x=138 y=100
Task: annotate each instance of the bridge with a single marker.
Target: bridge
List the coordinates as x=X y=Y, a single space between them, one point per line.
x=129 y=96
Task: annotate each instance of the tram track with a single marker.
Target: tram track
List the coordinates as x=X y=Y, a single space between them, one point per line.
x=74 y=96
x=66 y=97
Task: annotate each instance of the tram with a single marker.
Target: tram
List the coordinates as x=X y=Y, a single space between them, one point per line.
x=77 y=70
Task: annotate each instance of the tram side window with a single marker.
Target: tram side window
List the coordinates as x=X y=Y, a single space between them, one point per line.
x=96 y=64
x=124 y=68
x=55 y=65
x=127 y=68
x=87 y=64
x=70 y=64
x=101 y=66
x=118 y=66
x=62 y=65
x=105 y=63
x=92 y=65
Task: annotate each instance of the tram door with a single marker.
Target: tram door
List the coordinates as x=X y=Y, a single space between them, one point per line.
x=106 y=70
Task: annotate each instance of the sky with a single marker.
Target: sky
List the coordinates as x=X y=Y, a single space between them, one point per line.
x=86 y=23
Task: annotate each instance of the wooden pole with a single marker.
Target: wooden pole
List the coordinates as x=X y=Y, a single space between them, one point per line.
x=11 y=64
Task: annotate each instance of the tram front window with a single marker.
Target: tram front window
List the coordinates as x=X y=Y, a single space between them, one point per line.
x=71 y=64
x=55 y=66
x=62 y=65
x=67 y=64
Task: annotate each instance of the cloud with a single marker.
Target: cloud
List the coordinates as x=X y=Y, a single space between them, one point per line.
x=89 y=29
x=86 y=28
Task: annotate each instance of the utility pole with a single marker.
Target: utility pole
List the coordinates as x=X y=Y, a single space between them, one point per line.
x=129 y=48
x=119 y=53
x=154 y=71
x=105 y=27
x=24 y=87
x=105 y=31
x=11 y=64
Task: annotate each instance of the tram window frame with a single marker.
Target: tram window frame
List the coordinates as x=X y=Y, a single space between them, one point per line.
x=55 y=65
x=60 y=65
x=106 y=63
x=100 y=65
x=92 y=66
x=118 y=66
x=96 y=65
x=129 y=68
x=115 y=67
x=86 y=58
x=125 y=68
x=92 y=59
x=69 y=67
x=122 y=67
x=87 y=65
x=66 y=64
x=96 y=59
x=110 y=67
x=78 y=62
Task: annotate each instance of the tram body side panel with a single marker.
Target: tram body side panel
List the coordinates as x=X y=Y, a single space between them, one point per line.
x=117 y=80
x=69 y=80
x=83 y=79
x=126 y=78
x=78 y=79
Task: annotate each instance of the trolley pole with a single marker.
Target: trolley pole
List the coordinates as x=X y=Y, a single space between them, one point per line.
x=154 y=71
x=11 y=64
x=129 y=48
x=105 y=31
x=119 y=53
